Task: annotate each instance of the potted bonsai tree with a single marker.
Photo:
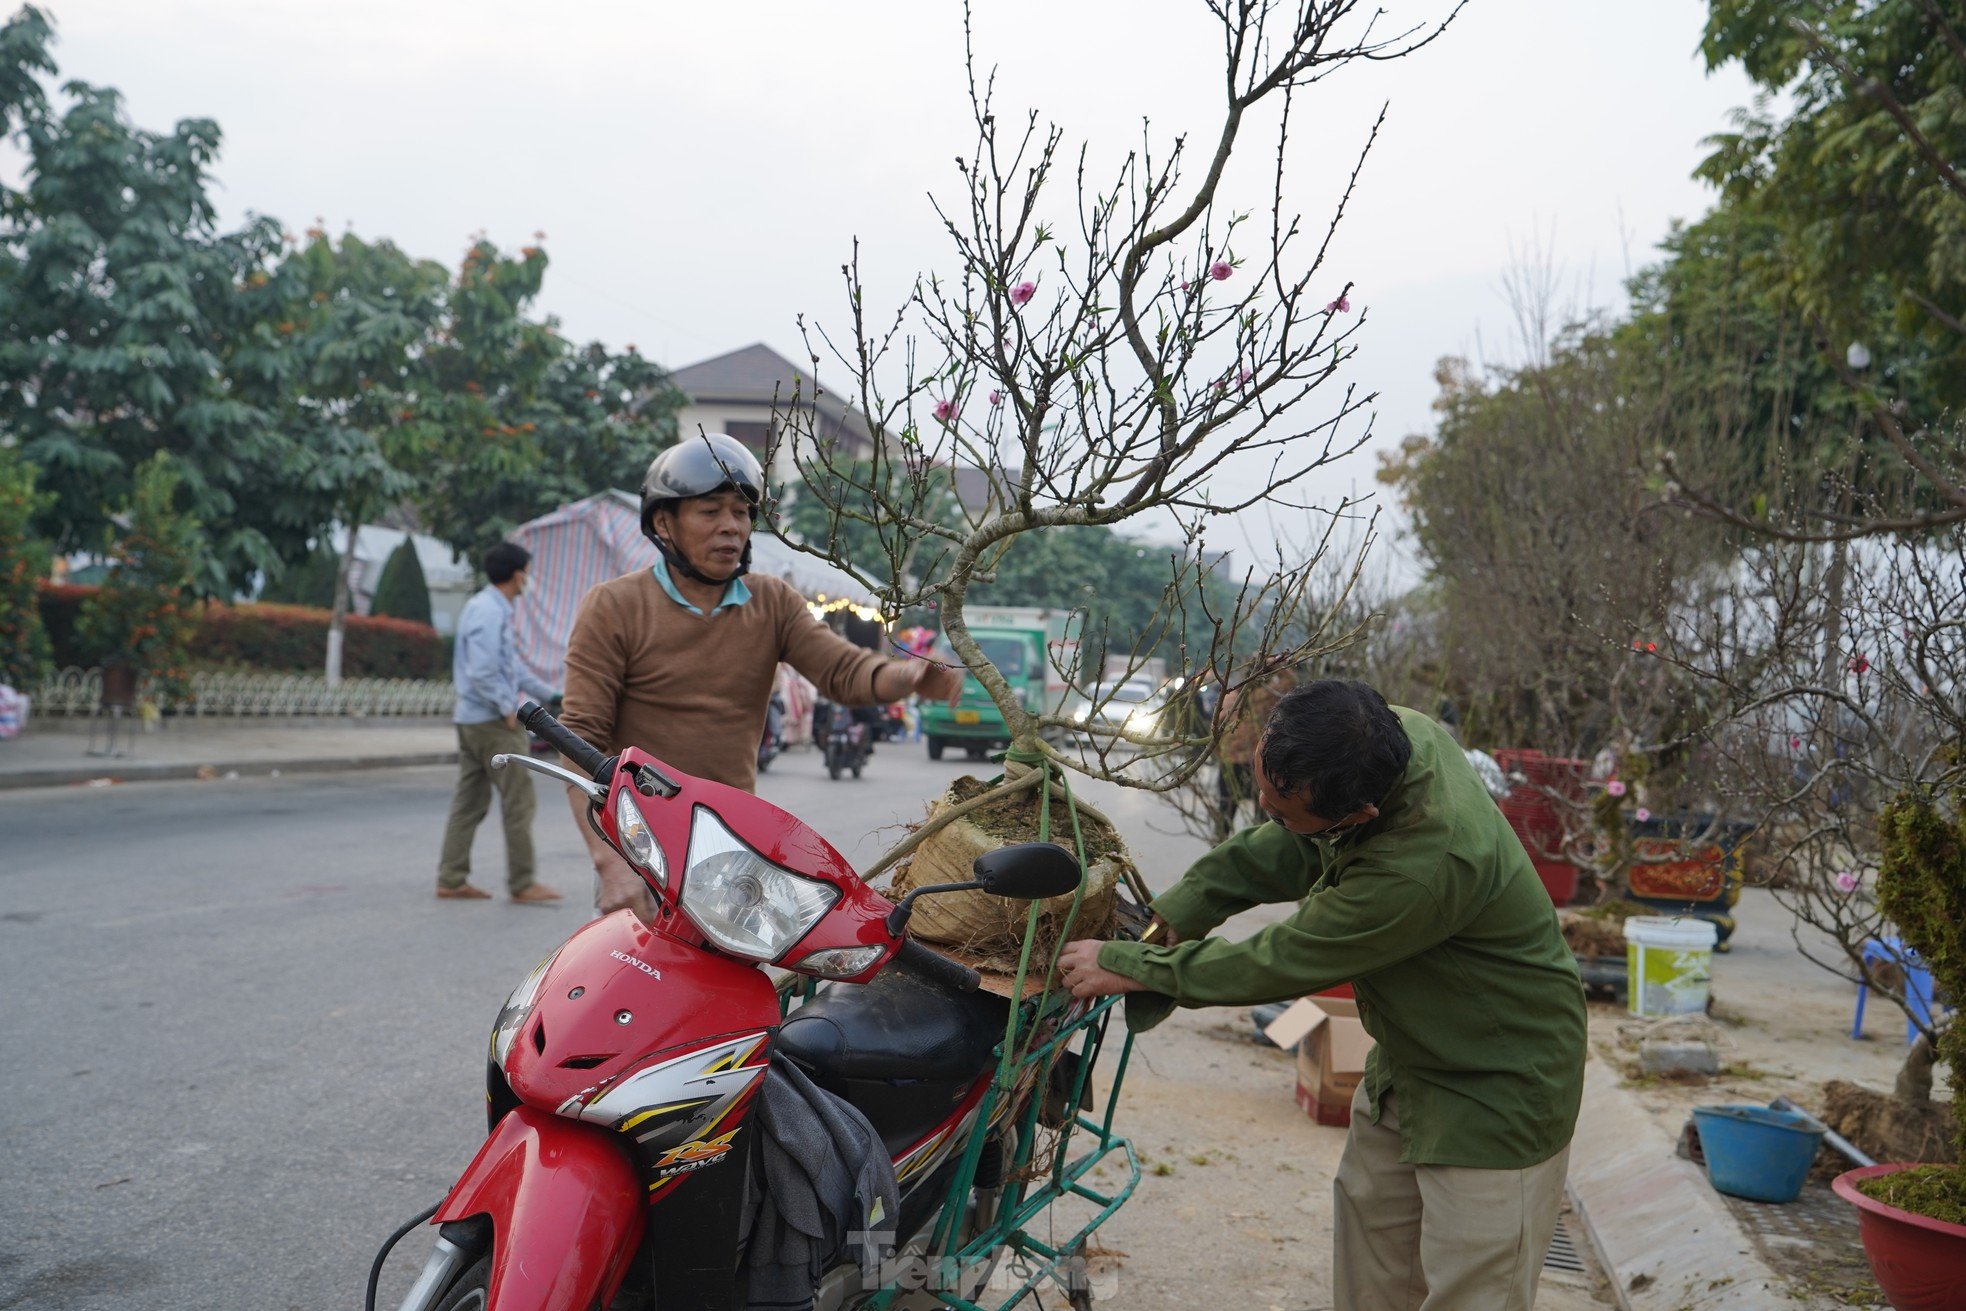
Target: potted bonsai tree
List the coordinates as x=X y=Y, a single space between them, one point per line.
x=1913 y=1216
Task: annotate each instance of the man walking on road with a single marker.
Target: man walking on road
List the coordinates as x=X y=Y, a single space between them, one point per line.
x=489 y=678
x=1415 y=891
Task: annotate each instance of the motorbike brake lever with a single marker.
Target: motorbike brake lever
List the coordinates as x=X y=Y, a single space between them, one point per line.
x=595 y=792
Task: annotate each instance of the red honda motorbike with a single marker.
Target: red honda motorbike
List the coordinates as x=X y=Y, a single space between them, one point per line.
x=623 y=1069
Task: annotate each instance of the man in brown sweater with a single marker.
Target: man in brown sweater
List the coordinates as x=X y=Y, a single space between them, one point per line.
x=678 y=659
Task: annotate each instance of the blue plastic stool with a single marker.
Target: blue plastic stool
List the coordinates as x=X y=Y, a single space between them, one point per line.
x=1918 y=984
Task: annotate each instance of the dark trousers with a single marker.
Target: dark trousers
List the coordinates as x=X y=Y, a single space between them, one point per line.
x=476 y=745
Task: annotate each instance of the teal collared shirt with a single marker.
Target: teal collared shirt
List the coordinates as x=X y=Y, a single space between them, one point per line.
x=735 y=592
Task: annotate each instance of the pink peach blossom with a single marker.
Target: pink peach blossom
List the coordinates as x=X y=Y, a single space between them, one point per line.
x=1641 y=814
x=1220 y=270
x=1845 y=881
x=945 y=410
x=1343 y=305
x=1615 y=787
x=1021 y=293
x=996 y=398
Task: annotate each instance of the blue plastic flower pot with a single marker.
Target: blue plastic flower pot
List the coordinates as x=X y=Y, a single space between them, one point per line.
x=1757 y=1152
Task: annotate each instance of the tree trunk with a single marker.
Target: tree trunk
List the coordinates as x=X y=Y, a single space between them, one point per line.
x=1914 y=1083
x=341 y=604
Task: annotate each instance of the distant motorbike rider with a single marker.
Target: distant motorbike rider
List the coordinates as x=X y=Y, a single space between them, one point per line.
x=678 y=659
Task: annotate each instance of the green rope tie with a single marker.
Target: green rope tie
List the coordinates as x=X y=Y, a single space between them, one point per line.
x=1013 y=1053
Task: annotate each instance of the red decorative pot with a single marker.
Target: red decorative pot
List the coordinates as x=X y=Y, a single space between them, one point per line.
x=1920 y=1263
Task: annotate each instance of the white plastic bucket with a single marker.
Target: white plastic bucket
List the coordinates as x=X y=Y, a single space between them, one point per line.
x=1668 y=963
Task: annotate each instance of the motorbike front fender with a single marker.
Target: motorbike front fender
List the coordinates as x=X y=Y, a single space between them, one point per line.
x=566 y=1206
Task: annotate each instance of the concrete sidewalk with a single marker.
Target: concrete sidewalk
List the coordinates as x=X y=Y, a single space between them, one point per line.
x=55 y=753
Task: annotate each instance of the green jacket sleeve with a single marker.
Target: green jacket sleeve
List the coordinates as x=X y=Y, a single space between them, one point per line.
x=1261 y=864
x=1371 y=919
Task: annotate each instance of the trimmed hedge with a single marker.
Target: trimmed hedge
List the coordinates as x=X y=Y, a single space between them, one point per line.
x=402 y=592
x=272 y=638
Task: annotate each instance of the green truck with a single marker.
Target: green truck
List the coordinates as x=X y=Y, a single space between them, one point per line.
x=1034 y=648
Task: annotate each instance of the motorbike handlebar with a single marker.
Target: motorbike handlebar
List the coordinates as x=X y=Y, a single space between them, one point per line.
x=568 y=743
x=930 y=964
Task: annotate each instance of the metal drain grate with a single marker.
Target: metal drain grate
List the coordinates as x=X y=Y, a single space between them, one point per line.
x=1563 y=1254
x=1812 y=1242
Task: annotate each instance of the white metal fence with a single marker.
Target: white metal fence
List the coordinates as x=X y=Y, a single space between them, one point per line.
x=79 y=691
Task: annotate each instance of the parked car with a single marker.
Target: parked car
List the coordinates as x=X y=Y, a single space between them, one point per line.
x=1130 y=709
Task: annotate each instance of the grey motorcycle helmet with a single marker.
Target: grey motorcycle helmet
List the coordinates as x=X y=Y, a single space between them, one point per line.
x=699 y=466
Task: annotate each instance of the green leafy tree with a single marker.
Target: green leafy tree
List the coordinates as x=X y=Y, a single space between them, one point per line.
x=310 y=582
x=24 y=650
x=401 y=592
x=358 y=318
x=513 y=420
x=1853 y=175
x=1858 y=176
x=301 y=386
x=145 y=612
x=125 y=308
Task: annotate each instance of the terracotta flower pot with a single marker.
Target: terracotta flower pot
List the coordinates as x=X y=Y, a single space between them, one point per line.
x=1920 y=1263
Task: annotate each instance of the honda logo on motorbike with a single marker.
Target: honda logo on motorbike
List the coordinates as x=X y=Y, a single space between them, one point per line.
x=643 y=966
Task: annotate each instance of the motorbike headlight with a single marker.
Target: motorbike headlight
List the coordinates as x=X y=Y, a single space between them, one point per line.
x=742 y=902
x=517 y=1007
x=636 y=840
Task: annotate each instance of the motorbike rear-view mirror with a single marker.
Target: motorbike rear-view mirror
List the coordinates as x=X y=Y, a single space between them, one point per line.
x=1028 y=871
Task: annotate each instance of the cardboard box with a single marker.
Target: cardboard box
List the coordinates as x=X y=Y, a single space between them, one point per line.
x=1331 y=1048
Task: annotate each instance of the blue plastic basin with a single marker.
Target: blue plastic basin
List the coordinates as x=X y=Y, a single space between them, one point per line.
x=1757 y=1152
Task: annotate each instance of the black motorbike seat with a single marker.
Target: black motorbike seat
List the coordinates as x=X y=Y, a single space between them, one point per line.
x=898 y=1026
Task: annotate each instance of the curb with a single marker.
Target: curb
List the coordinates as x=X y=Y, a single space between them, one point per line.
x=141 y=771
x=1663 y=1238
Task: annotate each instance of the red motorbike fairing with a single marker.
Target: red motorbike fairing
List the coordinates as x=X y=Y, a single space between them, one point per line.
x=566 y=1208
x=618 y=992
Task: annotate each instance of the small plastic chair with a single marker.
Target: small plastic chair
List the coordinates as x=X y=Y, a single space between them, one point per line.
x=1918 y=984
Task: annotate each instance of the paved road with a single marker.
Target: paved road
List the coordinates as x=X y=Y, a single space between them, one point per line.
x=243 y=1041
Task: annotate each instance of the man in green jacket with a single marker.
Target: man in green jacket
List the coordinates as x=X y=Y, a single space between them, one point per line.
x=1416 y=892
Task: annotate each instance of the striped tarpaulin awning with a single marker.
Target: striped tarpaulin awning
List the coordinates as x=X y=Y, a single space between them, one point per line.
x=574 y=549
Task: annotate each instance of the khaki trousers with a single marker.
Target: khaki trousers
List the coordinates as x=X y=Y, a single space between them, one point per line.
x=476 y=745
x=1436 y=1237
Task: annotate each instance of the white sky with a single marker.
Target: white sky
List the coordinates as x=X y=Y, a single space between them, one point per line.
x=701 y=170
